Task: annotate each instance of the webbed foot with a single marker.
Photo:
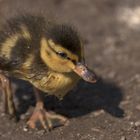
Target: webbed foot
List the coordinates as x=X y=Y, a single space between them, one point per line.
x=48 y=120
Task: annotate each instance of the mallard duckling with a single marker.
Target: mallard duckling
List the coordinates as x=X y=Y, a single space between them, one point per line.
x=49 y=56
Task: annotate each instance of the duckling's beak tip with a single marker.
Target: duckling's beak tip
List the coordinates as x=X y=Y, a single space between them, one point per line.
x=85 y=73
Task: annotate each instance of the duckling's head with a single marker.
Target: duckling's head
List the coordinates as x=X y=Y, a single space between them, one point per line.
x=62 y=51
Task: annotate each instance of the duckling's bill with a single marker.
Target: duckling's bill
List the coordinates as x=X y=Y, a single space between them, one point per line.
x=85 y=73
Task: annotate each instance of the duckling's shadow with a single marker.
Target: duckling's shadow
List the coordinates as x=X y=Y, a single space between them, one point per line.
x=84 y=99
x=91 y=97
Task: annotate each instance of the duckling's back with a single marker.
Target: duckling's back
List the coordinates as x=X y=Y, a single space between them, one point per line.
x=20 y=41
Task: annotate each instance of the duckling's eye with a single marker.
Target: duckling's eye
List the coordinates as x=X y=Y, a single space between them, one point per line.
x=62 y=54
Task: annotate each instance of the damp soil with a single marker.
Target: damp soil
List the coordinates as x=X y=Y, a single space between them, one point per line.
x=107 y=110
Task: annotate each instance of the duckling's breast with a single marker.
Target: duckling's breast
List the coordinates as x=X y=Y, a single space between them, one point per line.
x=57 y=84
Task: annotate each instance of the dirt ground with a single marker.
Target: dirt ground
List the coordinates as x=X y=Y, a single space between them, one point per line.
x=108 y=110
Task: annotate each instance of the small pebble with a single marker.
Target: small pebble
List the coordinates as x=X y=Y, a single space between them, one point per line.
x=95 y=129
x=123 y=138
x=25 y=129
x=41 y=132
x=99 y=112
x=137 y=123
x=78 y=134
x=131 y=123
x=138 y=107
x=2 y=114
x=24 y=116
x=111 y=74
x=125 y=102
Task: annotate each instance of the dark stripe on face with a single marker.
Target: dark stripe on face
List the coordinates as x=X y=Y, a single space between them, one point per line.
x=62 y=54
x=65 y=36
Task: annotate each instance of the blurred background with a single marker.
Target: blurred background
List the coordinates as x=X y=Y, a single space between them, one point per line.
x=110 y=109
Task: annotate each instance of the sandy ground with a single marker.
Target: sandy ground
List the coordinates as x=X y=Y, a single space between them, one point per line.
x=108 y=110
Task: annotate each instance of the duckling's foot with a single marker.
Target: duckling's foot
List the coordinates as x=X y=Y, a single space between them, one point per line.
x=46 y=119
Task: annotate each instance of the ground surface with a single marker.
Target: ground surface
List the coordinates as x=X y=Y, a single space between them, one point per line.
x=108 y=110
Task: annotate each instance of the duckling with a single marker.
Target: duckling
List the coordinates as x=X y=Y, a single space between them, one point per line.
x=48 y=55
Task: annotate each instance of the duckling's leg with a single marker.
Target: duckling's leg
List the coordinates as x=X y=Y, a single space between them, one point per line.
x=47 y=119
x=5 y=85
